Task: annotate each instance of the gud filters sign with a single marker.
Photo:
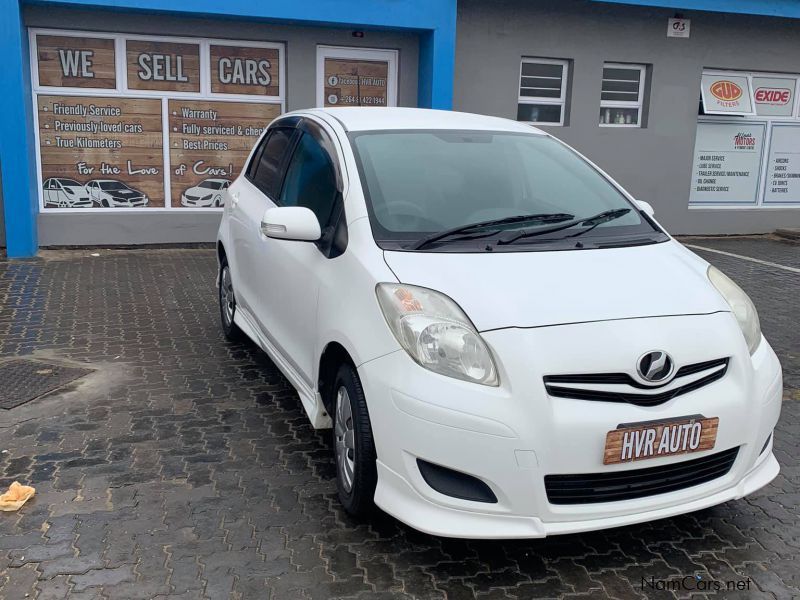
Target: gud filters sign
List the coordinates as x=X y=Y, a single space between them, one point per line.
x=728 y=94
x=134 y=122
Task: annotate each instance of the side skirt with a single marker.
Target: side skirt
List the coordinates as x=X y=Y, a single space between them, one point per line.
x=311 y=400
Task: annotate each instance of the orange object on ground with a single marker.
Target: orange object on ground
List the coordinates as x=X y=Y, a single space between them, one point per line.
x=16 y=496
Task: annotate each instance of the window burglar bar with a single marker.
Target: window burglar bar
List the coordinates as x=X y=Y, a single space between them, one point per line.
x=622 y=95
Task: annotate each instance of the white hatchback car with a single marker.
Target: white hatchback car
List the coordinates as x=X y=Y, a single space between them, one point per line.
x=505 y=342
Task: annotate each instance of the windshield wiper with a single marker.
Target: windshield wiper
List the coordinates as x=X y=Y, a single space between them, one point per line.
x=440 y=235
x=593 y=221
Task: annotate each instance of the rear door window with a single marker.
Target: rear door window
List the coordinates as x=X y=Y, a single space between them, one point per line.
x=269 y=168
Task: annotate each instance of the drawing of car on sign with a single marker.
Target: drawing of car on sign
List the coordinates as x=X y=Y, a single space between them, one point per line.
x=60 y=192
x=209 y=192
x=109 y=193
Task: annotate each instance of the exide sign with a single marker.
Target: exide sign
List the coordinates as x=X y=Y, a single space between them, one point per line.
x=776 y=96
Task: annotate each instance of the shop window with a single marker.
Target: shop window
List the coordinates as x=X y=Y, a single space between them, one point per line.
x=542 y=91
x=622 y=95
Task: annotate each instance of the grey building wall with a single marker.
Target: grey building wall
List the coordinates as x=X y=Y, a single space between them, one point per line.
x=654 y=163
x=301 y=47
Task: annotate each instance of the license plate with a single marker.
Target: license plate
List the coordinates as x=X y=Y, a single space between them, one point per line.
x=640 y=441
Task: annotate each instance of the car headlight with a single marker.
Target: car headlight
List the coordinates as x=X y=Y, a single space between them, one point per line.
x=206 y=197
x=436 y=333
x=742 y=307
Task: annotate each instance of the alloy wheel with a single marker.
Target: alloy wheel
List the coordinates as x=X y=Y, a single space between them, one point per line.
x=345 y=446
x=227 y=298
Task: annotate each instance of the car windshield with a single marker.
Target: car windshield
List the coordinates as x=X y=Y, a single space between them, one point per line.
x=418 y=183
x=70 y=182
x=211 y=185
x=113 y=185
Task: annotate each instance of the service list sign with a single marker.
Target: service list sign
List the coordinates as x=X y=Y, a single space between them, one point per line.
x=727 y=162
x=356 y=82
x=101 y=152
x=783 y=169
x=209 y=142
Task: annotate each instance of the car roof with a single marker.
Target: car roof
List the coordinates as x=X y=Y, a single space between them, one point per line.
x=216 y=179
x=356 y=118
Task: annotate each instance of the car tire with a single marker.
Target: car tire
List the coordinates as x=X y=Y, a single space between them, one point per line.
x=227 y=303
x=104 y=203
x=353 y=445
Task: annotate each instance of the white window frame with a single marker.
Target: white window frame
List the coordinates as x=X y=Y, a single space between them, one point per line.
x=637 y=104
x=122 y=91
x=561 y=101
x=357 y=53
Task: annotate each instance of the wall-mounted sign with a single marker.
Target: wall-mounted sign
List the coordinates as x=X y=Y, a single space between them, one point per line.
x=356 y=82
x=110 y=153
x=356 y=77
x=726 y=94
x=209 y=142
x=83 y=62
x=249 y=70
x=783 y=165
x=679 y=28
x=167 y=66
x=774 y=96
x=100 y=152
x=727 y=163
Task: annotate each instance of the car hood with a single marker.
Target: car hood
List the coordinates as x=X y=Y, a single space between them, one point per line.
x=123 y=193
x=200 y=191
x=535 y=289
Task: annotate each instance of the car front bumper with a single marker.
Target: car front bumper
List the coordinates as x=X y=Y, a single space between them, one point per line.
x=513 y=435
x=197 y=203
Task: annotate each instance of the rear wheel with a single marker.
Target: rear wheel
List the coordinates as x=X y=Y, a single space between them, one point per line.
x=227 y=303
x=353 y=445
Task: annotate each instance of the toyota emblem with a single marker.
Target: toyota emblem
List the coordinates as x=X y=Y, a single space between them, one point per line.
x=655 y=367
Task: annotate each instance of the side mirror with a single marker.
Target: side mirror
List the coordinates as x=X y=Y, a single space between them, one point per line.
x=291 y=223
x=646 y=207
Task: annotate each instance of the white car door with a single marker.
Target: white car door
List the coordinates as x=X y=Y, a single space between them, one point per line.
x=250 y=196
x=288 y=286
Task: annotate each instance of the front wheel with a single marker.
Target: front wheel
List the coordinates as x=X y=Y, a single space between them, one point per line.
x=353 y=446
x=227 y=304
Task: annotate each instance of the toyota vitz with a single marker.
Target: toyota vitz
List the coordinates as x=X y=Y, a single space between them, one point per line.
x=505 y=343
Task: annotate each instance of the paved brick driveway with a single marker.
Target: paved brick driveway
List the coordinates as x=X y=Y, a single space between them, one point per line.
x=185 y=468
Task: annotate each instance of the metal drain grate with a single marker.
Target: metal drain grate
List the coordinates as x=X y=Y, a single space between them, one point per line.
x=23 y=380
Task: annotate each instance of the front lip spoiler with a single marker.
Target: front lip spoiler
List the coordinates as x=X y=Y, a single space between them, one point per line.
x=702 y=314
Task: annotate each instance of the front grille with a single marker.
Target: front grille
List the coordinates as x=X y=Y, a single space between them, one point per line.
x=717 y=368
x=591 y=488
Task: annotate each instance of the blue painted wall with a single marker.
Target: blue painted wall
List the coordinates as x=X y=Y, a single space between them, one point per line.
x=434 y=20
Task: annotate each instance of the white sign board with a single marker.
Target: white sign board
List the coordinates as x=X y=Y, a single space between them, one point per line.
x=679 y=28
x=774 y=96
x=783 y=168
x=726 y=94
x=727 y=163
